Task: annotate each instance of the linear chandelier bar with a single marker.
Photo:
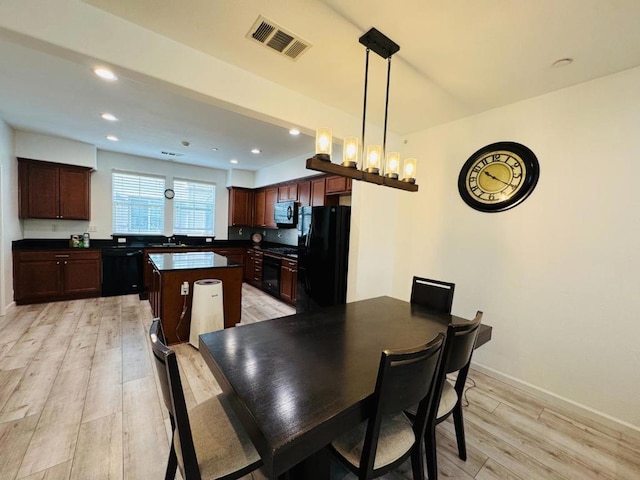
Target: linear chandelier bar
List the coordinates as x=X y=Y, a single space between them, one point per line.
x=375 y=41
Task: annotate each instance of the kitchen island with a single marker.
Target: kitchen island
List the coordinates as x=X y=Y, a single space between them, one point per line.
x=171 y=270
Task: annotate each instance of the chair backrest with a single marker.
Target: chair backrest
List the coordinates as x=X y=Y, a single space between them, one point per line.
x=172 y=393
x=461 y=339
x=433 y=294
x=405 y=378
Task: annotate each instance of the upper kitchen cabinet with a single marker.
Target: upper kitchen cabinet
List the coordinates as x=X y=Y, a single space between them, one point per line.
x=304 y=193
x=288 y=193
x=265 y=199
x=317 y=192
x=240 y=207
x=53 y=190
x=336 y=185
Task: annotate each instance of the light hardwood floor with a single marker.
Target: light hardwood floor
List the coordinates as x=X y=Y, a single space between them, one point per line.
x=79 y=400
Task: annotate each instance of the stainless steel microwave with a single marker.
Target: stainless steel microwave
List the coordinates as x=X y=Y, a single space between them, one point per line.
x=286 y=214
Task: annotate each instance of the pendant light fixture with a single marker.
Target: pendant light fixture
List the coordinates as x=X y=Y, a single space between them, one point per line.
x=376 y=165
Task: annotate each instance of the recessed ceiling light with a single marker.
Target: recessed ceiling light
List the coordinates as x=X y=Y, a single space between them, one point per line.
x=109 y=116
x=294 y=131
x=563 y=62
x=112 y=138
x=234 y=161
x=256 y=150
x=105 y=73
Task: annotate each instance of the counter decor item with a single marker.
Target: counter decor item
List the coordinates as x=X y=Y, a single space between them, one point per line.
x=74 y=241
x=256 y=238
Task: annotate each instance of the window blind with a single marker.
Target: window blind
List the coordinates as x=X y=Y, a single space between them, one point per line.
x=193 y=208
x=138 y=204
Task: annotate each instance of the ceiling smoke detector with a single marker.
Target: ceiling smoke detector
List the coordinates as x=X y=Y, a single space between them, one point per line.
x=271 y=35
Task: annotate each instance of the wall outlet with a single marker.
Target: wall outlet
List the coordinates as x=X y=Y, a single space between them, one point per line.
x=93 y=228
x=184 y=288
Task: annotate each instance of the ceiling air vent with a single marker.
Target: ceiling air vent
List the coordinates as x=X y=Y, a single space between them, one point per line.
x=275 y=37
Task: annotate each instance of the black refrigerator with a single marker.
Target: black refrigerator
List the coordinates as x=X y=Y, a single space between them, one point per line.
x=323 y=256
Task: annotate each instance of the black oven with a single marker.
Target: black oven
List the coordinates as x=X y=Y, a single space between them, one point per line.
x=271 y=274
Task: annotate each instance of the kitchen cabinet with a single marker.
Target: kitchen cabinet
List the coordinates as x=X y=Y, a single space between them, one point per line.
x=253 y=267
x=317 y=192
x=53 y=190
x=265 y=199
x=288 y=281
x=240 y=207
x=337 y=185
x=304 y=193
x=236 y=255
x=288 y=193
x=50 y=275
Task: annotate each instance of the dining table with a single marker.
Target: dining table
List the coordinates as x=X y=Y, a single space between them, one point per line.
x=300 y=381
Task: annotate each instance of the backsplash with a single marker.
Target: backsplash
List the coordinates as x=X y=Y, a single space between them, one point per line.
x=284 y=236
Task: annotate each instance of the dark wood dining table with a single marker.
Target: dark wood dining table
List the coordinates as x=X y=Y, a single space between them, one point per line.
x=300 y=381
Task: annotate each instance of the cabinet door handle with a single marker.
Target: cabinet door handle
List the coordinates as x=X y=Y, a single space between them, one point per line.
x=62 y=256
x=57 y=263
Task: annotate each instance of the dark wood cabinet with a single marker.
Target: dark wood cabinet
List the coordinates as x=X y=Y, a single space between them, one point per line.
x=317 y=192
x=53 y=190
x=240 y=207
x=337 y=185
x=236 y=255
x=259 y=200
x=271 y=198
x=288 y=193
x=44 y=276
x=253 y=267
x=304 y=193
x=288 y=281
x=265 y=200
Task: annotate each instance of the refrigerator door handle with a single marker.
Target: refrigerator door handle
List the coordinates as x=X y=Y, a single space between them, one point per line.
x=307 y=241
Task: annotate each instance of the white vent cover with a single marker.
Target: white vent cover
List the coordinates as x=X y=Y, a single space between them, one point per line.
x=270 y=34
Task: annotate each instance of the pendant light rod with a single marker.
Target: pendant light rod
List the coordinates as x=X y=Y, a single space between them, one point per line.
x=386 y=114
x=364 y=106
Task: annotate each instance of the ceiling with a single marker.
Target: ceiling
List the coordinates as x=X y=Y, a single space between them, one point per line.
x=457 y=58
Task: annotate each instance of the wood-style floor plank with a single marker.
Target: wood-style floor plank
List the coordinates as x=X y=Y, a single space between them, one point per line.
x=106 y=420
x=54 y=439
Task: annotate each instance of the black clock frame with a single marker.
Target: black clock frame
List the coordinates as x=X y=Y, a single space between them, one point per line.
x=529 y=183
x=169 y=193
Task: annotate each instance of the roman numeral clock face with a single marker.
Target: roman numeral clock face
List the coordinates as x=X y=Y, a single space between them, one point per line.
x=498 y=177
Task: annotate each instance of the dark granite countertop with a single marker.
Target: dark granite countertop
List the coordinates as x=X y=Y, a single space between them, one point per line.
x=190 y=261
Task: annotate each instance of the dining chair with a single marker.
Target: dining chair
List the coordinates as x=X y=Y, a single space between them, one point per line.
x=434 y=294
x=389 y=437
x=208 y=441
x=447 y=399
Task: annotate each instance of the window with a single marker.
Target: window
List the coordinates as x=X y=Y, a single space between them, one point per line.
x=193 y=208
x=138 y=204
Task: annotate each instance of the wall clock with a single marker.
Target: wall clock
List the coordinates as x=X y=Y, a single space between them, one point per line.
x=498 y=177
x=169 y=193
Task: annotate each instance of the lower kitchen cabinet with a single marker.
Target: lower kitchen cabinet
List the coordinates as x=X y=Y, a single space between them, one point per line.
x=253 y=267
x=288 y=281
x=236 y=255
x=45 y=276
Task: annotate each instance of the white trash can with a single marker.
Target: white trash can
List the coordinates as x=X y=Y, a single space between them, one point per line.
x=207 y=312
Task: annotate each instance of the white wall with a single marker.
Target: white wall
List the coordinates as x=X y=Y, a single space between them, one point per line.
x=37 y=146
x=556 y=276
x=10 y=228
x=101 y=188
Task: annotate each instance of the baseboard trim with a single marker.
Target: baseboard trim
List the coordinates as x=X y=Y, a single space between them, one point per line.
x=559 y=401
x=8 y=308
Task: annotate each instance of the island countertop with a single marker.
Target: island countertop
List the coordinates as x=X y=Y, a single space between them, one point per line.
x=190 y=261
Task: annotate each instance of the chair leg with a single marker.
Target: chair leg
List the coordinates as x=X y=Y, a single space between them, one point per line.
x=172 y=464
x=458 y=422
x=416 y=463
x=430 y=451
